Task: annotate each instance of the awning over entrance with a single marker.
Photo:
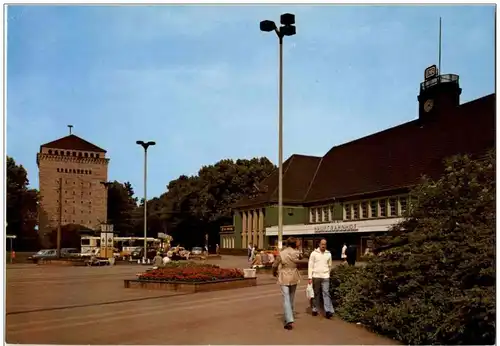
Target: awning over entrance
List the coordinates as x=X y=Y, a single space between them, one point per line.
x=361 y=226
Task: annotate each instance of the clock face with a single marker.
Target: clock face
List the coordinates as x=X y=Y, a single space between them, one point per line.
x=428 y=105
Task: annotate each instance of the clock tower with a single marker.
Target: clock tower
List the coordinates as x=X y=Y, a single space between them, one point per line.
x=438 y=93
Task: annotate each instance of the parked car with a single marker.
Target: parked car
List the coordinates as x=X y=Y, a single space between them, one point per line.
x=47 y=254
x=196 y=251
x=139 y=253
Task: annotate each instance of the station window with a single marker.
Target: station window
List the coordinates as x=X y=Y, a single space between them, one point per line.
x=56 y=152
x=86 y=154
x=50 y=152
x=348 y=211
x=313 y=215
x=355 y=211
x=325 y=214
x=393 y=207
x=402 y=205
x=91 y=154
x=68 y=153
x=364 y=210
x=374 y=208
x=80 y=154
x=383 y=208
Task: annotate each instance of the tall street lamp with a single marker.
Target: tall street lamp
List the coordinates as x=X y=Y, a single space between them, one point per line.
x=287 y=28
x=145 y=145
x=106 y=185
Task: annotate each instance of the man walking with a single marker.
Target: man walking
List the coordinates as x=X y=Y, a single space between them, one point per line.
x=285 y=268
x=320 y=264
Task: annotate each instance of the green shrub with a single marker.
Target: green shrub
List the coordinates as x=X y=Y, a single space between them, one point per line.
x=434 y=281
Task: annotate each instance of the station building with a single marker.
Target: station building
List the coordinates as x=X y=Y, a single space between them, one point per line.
x=360 y=188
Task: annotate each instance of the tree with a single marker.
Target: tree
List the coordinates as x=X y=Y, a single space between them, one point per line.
x=22 y=207
x=198 y=205
x=434 y=281
x=121 y=207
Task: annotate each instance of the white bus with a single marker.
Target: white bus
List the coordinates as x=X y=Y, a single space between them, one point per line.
x=126 y=245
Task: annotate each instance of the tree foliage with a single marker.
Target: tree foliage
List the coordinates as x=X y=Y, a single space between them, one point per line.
x=21 y=207
x=198 y=205
x=121 y=208
x=434 y=281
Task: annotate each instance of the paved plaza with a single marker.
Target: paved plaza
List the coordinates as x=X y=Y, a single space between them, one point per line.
x=88 y=305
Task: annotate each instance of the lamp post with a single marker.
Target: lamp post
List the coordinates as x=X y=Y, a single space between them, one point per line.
x=106 y=185
x=287 y=28
x=145 y=145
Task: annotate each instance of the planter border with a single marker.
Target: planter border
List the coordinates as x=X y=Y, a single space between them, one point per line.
x=191 y=287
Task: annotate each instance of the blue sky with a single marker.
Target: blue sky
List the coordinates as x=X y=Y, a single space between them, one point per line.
x=202 y=80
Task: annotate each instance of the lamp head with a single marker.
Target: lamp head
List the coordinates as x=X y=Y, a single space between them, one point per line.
x=151 y=143
x=267 y=25
x=140 y=142
x=287 y=19
x=288 y=30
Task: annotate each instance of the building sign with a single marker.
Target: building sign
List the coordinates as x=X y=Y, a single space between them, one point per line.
x=335 y=228
x=227 y=229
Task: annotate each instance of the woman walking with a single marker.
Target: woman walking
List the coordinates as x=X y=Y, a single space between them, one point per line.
x=285 y=268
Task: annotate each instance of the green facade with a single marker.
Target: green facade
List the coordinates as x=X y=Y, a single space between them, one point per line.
x=291 y=215
x=238 y=228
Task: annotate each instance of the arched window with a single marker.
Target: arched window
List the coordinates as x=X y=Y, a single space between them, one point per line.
x=68 y=153
x=97 y=155
x=80 y=155
x=57 y=153
x=74 y=153
x=50 y=152
x=74 y=171
x=86 y=155
x=65 y=170
x=90 y=172
x=58 y=169
x=85 y=171
x=91 y=154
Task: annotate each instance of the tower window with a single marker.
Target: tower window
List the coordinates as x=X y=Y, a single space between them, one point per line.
x=86 y=154
x=50 y=152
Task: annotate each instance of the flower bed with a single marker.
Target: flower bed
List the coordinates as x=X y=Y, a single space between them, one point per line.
x=199 y=273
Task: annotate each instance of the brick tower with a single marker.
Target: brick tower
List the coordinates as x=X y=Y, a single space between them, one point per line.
x=70 y=174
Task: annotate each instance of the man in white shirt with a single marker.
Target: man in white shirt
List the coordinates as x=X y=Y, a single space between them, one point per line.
x=320 y=264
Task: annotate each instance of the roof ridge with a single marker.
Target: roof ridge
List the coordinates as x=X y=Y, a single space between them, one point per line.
x=313 y=179
x=284 y=173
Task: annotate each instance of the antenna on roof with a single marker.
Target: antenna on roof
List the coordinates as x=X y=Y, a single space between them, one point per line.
x=439 y=58
x=70 y=127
